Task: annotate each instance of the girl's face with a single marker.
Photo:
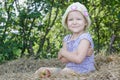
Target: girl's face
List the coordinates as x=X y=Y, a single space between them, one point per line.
x=76 y=22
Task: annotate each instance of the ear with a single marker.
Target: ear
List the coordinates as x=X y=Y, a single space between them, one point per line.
x=86 y=23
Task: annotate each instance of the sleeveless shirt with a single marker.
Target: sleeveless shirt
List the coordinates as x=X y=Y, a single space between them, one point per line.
x=87 y=64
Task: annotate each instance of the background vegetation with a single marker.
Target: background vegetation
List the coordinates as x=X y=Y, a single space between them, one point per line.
x=33 y=28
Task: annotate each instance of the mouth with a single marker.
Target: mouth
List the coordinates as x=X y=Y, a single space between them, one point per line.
x=74 y=26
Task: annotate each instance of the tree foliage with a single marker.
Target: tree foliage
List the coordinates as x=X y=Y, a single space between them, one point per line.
x=34 y=27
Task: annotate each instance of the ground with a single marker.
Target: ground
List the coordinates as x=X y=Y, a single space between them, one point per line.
x=107 y=68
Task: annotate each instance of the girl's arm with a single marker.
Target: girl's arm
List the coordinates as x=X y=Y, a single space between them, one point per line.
x=79 y=55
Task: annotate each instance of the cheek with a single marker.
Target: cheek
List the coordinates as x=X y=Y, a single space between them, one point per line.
x=82 y=23
x=68 y=23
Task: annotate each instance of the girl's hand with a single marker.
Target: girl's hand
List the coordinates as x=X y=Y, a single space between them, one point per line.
x=90 y=51
x=64 y=60
x=59 y=55
x=61 y=52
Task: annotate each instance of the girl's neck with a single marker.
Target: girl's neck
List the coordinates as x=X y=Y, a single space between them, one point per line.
x=76 y=35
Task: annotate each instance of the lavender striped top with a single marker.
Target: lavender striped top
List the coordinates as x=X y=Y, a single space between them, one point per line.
x=88 y=63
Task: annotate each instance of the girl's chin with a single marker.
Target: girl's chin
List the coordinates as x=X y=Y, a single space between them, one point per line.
x=75 y=31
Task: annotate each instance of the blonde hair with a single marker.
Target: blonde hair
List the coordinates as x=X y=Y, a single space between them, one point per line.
x=79 y=7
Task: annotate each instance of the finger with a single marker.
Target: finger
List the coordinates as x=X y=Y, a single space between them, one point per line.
x=59 y=56
x=64 y=45
x=90 y=47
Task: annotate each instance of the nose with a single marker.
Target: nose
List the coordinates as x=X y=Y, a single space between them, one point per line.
x=74 y=21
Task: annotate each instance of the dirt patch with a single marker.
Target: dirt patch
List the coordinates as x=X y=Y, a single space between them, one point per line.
x=108 y=68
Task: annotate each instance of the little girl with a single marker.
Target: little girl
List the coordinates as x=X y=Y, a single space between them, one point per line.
x=76 y=51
